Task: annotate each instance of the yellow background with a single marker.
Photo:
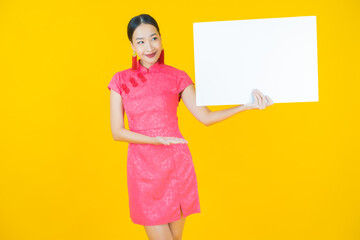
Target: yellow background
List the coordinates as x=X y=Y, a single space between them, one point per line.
x=290 y=171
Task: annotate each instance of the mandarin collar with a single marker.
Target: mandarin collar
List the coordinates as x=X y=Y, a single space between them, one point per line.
x=153 y=68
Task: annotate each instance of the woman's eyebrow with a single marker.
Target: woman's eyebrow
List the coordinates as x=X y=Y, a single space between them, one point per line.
x=149 y=36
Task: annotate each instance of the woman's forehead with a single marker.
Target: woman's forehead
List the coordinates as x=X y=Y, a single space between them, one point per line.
x=145 y=30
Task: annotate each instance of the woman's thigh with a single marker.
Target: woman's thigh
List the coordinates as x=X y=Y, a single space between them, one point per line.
x=159 y=232
x=177 y=227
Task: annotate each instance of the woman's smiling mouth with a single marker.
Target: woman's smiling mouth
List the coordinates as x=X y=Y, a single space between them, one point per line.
x=151 y=55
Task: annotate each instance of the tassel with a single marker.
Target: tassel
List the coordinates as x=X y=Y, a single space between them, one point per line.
x=134 y=61
x=161 y=58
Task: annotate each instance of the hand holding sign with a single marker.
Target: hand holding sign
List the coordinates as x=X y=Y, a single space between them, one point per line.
x=260 y=101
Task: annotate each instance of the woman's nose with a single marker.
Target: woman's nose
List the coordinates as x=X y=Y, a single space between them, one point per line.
x=149 y=47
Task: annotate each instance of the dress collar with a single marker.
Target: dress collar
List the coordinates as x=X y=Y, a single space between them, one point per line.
x=152 y=68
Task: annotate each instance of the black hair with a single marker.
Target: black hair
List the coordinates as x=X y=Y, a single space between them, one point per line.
x=137 y=20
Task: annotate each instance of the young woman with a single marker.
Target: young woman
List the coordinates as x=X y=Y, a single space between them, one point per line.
x=161 y=178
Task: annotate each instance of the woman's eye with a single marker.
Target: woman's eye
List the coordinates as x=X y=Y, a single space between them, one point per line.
x=143 y=41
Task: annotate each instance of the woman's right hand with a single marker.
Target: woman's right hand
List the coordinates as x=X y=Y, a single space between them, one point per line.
x=170 y=140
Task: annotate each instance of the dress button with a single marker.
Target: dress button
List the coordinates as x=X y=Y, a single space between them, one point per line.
x=126 y=89
x=143 y=79
x=133 y=82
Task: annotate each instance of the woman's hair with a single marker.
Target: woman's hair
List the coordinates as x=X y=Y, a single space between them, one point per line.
x=136 y=21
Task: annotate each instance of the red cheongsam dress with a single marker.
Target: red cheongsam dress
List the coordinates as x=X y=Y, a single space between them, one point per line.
x=161 y=179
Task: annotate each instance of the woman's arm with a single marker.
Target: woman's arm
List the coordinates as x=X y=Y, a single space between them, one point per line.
x=120 y=133
x=208 y=117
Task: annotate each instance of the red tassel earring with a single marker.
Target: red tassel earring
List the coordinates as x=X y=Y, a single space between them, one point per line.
x=161 y=58
x=134 y=61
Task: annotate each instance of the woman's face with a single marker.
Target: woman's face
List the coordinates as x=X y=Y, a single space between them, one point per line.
x=147 y=44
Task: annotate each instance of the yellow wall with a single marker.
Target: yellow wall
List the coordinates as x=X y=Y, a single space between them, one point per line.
x=290 y=171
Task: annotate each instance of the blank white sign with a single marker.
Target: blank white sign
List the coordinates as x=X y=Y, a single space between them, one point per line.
x=276 y=55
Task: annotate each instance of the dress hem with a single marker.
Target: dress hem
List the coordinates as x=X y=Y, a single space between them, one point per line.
x=171 y=220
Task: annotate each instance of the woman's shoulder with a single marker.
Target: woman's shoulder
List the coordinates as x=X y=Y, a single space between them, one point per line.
x=121 y=74
x=124 y=71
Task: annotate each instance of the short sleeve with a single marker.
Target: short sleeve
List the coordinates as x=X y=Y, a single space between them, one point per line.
x=115 y=83
x=183 y=81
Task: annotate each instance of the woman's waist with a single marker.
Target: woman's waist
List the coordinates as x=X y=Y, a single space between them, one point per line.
x=163 y=131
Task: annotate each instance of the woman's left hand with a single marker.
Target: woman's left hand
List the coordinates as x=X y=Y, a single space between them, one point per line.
x=261 y=101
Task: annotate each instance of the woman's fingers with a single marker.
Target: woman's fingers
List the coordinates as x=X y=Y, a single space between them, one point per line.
x=263 y=99
x=260 y=97
x=179 y=140
x=260 y=100
x=270 y=102
x=170 y=140
x=175 y=140
x=256 y=98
